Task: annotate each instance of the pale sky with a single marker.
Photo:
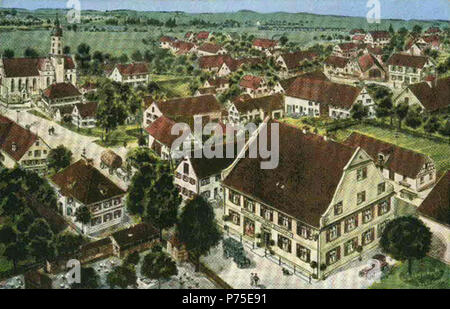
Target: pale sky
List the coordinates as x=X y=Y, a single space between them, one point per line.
x=401 y=9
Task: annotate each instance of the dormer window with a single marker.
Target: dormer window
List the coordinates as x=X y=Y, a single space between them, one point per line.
x=338 y=209
x=381 y=157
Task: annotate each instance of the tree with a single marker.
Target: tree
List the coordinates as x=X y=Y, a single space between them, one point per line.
x=40 y=228
x=284 y=40
x=15 y=252
x=158 y=265
x=7 y=235
x=67 y=244
x=401 y=110
x=41 y=249
x=83 y=55
x=162 y=202
x=385 y=109
x=12 y=205
x=445 y=128
x=413 y=118
x=136 y=56
x=122 y=277
x=132 y=258
x=83 y=215
x=140 y=156
x=30 y=53
x=111 y=110
x=89 y=279
x=25 y=220
x=406 y=239
x=432 y=125
x=66 y=50
x=197 y=228
x=359 y=111
x=59 y=158
x=8 y=53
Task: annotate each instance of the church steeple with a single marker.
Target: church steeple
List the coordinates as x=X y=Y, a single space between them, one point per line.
x=57 y=30
x=56 y=47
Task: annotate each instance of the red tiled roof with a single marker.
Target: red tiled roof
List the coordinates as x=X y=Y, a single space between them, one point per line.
x=367 y=61
x=202 y=35
x=133 y=68
x=433 y=30
x=266 y=103
x=189 y=106
x=380 y=34
x=252 y=82
x=437 y=204
x=160 y=129
x=375 y=50
x=218 y=81
x=286 y=83
x=61 y=90
x=359 y=37
x=325 y=92
x=210 y=48
x=12 y=133
x=216 y=61
x=167 y=39
x=21 y=67
x=294 y=59
x=264 y=43
x=347 y=46
x=336 y=61
x=69 y=64
x=87 y=110
x=435 y=97
x=405 y=60
x=85 y=183
x=305 y=180
x=401 y=160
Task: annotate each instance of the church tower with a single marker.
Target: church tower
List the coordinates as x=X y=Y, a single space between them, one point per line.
x=56 y=51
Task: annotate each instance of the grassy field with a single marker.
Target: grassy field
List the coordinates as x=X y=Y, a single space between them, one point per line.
x=426 y=274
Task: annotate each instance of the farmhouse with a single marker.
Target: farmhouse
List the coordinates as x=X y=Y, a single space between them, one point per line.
x=367 y=67
x=254 y=109
x=432 y=95
x=412 y=170
x=346 y=50
x=303 y=216
x=291 y=62
x=434 y=212
x=134 y=74
x=407 y=69
x=253 y=85
x=209 y=49
x=377 y=38
x=19 y=146
x=84 y=115
x=166 y=42
x=82 y=185
x=315 y=97
x=265 y=45
x=60 y=94
x=337 y=66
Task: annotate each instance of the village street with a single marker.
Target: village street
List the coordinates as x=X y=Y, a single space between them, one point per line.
x=76 y=142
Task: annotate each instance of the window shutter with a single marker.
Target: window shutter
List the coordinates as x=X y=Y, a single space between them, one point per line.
x=290 y=224
x=328 y=235
x=339 y=229
x=357 y=220
x=308 y=256
x=338 y=252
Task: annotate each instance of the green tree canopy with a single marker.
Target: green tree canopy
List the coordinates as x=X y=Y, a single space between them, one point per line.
x=122 y=277
x=59 y=158
x=158 y=265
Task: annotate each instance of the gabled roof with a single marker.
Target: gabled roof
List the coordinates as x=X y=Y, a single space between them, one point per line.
x=85 y=183
x=87 y=109
x=207 y=90
x=133 y=68
x=405 y=60
x=437 y=204
x=380 y=35
x=401 y=160
x=215 y=61
x=325 y=92
x=336 y=61
x=61 y=90
x=375 y=50
x=202 y=35
x=21 y=67
x=293 y=60
x=205 y=167
x=367 y=61
x=264 y=43
x=286 y=83
x=250 y=81
x=347 y=46
x=305 y=180
x=189 y=106
x=69 y=64
x=13 y=134
x=210 y=48
x=160 y=129
x=433 y=30
x=434 y=97
x=167 y=39
x=266 y=103
x=135 y=235
x=218 y=81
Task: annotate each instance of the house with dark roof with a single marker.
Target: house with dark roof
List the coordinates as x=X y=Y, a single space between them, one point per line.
x=181 y=47
x=346 y=50
x=205 y=106
x=368 y=67
x=22 y=78
x=435 y=213
x=317 y=74
x=254 y=109
x=161 y=139
x=201 y=175
x=134 y=74
x=377 y=38
x=214 y=63
x=338 y=66
x=406 y=69
x=317 y=97
x=255 y=86
x=265 y=45
x=413 y=171
x=322 y=203
x=84 y=115
x=291 y=62
x=166 y=41
x=210 y=49
x=220 y=84
x=20 y=146
x=137 y=238
x=60 y=94
x=432 y=95
x=82 y=185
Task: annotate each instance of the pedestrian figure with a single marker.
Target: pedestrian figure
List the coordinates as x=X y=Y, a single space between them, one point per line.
x=252 y=279
x=256 y=279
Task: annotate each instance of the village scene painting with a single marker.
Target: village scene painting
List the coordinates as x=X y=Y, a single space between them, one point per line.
x=224 y=144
